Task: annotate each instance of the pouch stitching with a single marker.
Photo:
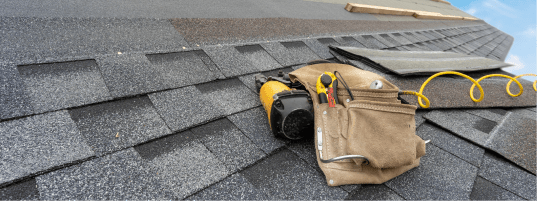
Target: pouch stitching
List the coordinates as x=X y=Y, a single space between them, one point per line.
x=383 y=108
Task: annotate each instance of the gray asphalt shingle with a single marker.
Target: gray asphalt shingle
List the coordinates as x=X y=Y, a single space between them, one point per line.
x=460 y=123
x=14 y=101
x=486 y=190
x=121 y=175
x=180 y=69
x=230 y=96
x=112 y=126
x=350 y=41
x=254 y=124
x=130 y=74
x=508 y=176
x=373 y=192
x=300 y=50
x=229 y=60
x=439 y=176
x=188 y=169
x=234 y=187
x=284 y=176
x=24 y=190
x=228 y=144
x=184 y=107
x=50 y=39
x=451 y=143
x=370 y=42
x=259 y=58
x=320 y=46
x=39 y=143
x=62 y=85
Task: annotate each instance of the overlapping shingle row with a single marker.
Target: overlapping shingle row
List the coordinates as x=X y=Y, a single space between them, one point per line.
x=187 y=123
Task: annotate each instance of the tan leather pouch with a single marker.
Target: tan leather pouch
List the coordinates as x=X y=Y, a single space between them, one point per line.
x=375 y=125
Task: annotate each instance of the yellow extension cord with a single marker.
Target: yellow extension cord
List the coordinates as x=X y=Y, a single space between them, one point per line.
x=476 y=83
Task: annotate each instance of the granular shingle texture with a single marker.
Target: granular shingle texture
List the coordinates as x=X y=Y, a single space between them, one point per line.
x=130 y=74
x=451 y=143
x=38 y=143
x=234 y=187
x=508 y=176
x=62 y=85
x=229 y=60
x=486 y=190
x=285 y=176
x=439 y=176
x=254 y=124
x=184 y=107
x=230 y=95
x=460 y=123
x=228 y=144
x=13 y=98
x=121 y=175
x=188 y=169
x=373 y=192
x=24 y=190
x=112 y=126
x=180 y=69
x=515 y=140
x=320 y=46
x=300 y=51
x=50 y=39
x=259 y=57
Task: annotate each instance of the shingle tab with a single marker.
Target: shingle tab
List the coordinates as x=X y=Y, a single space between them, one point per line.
x=320 y=46
x=370 y=42
x=425 y=182
x=184 y=107
x=460 y=123
x=188 y=169
x=485 y=190
x=400 y=38
x=180 y=69
x=373 y=192
x=515 y=140
x=230 y=96
x=116 y=125
x=259 y=57
x=235 y=187
x=229 y=60
x=24 y=190
x=300 y=51
x=130 y=74
x=254 y=124
x=490 y=114
x=350 y=41
x=508 y=176
x=122 y=175
x=228 y=144
x=13 y=98
x=48 y=39
x=280 y=53
x=284 y=176
x=39 y=143
x=451 y=143
x=62 y=85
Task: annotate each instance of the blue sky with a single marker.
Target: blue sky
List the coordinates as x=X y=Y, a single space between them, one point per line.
x=516 y=18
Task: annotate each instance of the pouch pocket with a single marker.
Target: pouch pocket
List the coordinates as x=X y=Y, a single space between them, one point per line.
x=335 y=122
x=384 y=133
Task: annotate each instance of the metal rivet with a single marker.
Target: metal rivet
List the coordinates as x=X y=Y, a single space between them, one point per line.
x=331 y=181
x=348 y=100
x=324 y=112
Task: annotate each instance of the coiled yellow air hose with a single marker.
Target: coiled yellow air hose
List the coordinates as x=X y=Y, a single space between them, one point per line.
x=476 y=83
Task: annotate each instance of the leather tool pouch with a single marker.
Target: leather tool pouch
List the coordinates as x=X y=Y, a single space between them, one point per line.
x=374 y=127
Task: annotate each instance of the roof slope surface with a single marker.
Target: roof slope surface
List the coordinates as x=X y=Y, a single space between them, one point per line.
x=141 y=108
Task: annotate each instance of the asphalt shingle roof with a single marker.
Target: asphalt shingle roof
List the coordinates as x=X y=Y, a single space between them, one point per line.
x=142 y=108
